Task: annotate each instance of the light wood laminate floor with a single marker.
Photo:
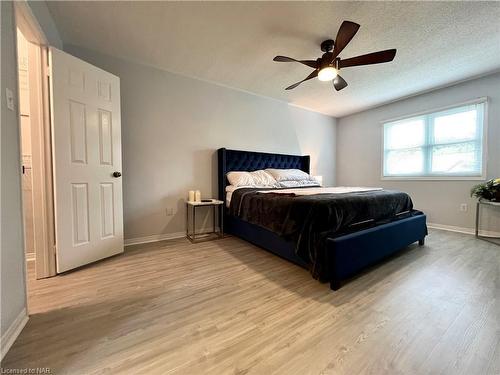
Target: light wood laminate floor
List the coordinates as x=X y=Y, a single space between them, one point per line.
x=227 y=307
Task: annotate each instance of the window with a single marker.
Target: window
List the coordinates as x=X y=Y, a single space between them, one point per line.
x=448 y=143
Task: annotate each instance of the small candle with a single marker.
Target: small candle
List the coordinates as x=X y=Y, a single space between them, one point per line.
x=197 y=196
x=191 y=196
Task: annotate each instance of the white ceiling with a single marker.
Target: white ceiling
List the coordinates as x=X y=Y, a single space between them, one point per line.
x=233 y=43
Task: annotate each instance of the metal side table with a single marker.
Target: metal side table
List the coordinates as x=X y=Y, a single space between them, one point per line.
x=480 y=203
x=217 y=206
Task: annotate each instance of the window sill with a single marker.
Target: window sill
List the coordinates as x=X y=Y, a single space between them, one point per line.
x=433 y=178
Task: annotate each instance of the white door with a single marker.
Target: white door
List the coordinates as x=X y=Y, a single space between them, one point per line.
x=86 y=144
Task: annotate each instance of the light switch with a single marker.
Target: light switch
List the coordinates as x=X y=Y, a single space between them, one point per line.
x=9 y=96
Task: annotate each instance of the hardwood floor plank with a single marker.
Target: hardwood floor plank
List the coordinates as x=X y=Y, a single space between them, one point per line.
x=228 y=307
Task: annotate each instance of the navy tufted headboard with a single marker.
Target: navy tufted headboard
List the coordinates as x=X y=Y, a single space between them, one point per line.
x=236 y=160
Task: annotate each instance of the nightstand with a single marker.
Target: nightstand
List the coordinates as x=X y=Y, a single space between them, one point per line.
x=484 y=202
x=217 y=206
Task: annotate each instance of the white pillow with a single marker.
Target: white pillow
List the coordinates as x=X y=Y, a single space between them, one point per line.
x=256 y=178
x=289 y=174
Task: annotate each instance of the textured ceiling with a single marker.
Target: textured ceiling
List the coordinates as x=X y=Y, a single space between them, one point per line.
x=233 y=43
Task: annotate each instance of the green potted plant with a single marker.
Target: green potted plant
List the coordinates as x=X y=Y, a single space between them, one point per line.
x=489 y=190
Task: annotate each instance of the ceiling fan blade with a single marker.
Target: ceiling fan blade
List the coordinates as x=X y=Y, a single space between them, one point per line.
x=346 y=32
x=311 y=63
x=310 y=76
x=339 y=83
x=370 y=58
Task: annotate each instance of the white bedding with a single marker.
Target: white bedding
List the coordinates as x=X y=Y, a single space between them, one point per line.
x=231 y=188
x=229 y=192
x=322 y=190
x=304 y=191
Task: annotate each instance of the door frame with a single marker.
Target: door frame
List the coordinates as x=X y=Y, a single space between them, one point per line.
x=42 y=172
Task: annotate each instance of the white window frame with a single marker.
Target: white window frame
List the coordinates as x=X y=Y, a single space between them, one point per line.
x=463 y=177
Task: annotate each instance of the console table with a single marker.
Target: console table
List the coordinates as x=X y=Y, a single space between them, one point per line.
x=480 y=203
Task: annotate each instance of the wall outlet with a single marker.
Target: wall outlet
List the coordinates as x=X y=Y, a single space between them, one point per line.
x=463 y=207
x=170 y=211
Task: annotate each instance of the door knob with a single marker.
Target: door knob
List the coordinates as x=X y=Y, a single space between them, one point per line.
x=117 y=174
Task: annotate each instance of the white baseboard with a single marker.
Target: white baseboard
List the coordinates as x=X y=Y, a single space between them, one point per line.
x=12 y=332
x=452 y=228
x=163 y=237
x=172 y=236
x=154 y=238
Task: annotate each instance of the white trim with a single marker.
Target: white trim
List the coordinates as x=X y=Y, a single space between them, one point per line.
x=485 y=137
x=28 y=23
x=482 y=99
x=164 y=237
x=452 y=228
x=13 y=332
x=154 y=238
x=430 y=178
x=43 y=215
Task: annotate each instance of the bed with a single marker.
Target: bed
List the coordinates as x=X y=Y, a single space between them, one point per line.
x=344 y=253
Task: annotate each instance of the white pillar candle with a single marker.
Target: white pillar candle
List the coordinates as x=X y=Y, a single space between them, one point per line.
x=191 y=196
x=197 y=196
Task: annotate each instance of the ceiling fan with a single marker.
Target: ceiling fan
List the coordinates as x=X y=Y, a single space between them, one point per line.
x=327 y=67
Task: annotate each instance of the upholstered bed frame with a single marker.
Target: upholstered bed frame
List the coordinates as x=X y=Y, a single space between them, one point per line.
x=350 y=253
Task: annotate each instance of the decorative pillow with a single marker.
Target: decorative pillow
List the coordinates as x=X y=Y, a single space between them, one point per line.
x=301 y=183
x=255 y=178
x=289 y=175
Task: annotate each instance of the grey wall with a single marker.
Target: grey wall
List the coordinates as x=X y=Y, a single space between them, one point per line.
x=13 y=292
x=359 y=143
x=172 y=125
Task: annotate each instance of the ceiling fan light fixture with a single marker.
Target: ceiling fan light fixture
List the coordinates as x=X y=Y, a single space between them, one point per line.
x=328 y=66
x=327 y=74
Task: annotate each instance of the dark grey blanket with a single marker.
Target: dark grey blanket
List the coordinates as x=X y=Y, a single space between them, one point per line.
x=309 y=220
